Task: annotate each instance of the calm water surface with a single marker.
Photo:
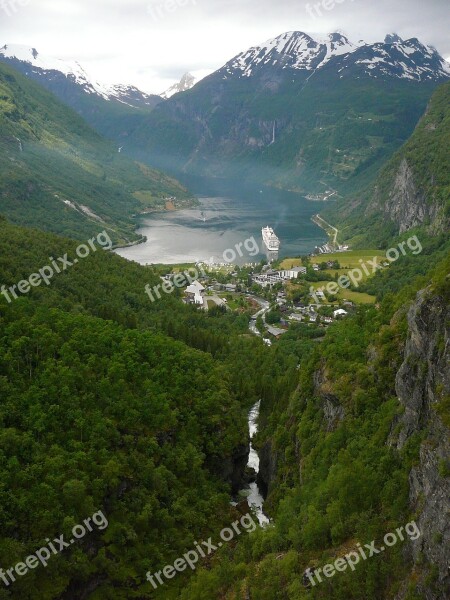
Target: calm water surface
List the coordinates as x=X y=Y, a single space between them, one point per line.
x=229 y=214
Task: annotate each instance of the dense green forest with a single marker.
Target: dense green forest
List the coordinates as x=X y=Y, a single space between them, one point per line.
x=115 y=403
x=112 y=403
x=339 y=477
x=89 y=182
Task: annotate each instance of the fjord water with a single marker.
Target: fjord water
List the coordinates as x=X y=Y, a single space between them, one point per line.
x=229 y=213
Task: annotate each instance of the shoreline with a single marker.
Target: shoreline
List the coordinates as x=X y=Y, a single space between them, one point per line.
x=169 y=207
x=317 y=219
x=142 y=240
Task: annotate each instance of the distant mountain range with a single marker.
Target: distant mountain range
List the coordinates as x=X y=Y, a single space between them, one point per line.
x=59 y=175
x=295 y=112
x=54 y=72
x=297 y=51
x=112 y=110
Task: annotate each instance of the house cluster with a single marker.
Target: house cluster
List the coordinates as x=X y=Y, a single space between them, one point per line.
x=269 y=277
x=309 y=314
x=305 y=313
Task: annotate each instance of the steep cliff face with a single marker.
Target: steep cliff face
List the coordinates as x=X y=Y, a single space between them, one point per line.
x=413 y=188
x=333 y=411
x=272 y=455
x=407 y=205
x=232 y=469
x=422 y=383
x=267 y=468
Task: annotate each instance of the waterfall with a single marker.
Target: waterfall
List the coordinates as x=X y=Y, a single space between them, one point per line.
x=254 y=497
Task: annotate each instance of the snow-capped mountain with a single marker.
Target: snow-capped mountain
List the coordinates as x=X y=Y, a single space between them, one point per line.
x=36 y=63
x=132 y=96
x=403 y=59
x=297 y=51
x=291 y=50
x=186 y=83
x=55 y=74
x=296 y=111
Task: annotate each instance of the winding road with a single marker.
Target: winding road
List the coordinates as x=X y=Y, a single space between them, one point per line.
x=326 y=226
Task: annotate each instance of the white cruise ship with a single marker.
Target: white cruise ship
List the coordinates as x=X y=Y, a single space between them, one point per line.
x=270 y=239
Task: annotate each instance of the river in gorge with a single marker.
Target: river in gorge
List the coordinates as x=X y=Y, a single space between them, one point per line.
x=229 y=213
x=251 y=491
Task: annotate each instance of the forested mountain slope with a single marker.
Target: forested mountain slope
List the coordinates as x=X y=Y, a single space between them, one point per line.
x=412 y=190
x=111 y=402
x=58 y=174
x=359 y=451
x=361 y=448
x=296 y=112
x=112 y=110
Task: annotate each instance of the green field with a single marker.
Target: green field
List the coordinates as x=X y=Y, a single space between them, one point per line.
x=345 y=294
x=349 y=260
x=289 y=263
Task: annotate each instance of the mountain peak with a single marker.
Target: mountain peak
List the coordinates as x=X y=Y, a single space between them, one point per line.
x=25 y=54
x=296 y=50
x=293 y=49
x=186 y=83
x=393 y=38
x=338 y=36
x=48 y=70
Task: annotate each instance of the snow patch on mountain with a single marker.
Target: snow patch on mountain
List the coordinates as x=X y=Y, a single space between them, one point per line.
x=406 y=59
x=186 y=83
x=55 y=67
x=295 y=50
x=72 y=70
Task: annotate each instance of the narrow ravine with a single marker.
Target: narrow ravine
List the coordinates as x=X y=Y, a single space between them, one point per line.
x=254 y=497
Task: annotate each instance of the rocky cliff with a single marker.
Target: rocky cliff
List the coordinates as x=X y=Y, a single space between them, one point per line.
x=407 y=205
x=422 y=384
x=413 y=188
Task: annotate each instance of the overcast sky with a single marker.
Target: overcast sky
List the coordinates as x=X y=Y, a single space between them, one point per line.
x=151 y=43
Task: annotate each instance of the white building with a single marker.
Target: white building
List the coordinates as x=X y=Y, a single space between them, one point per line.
x=194 y=293
x=293 y=273
x=296 y=317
